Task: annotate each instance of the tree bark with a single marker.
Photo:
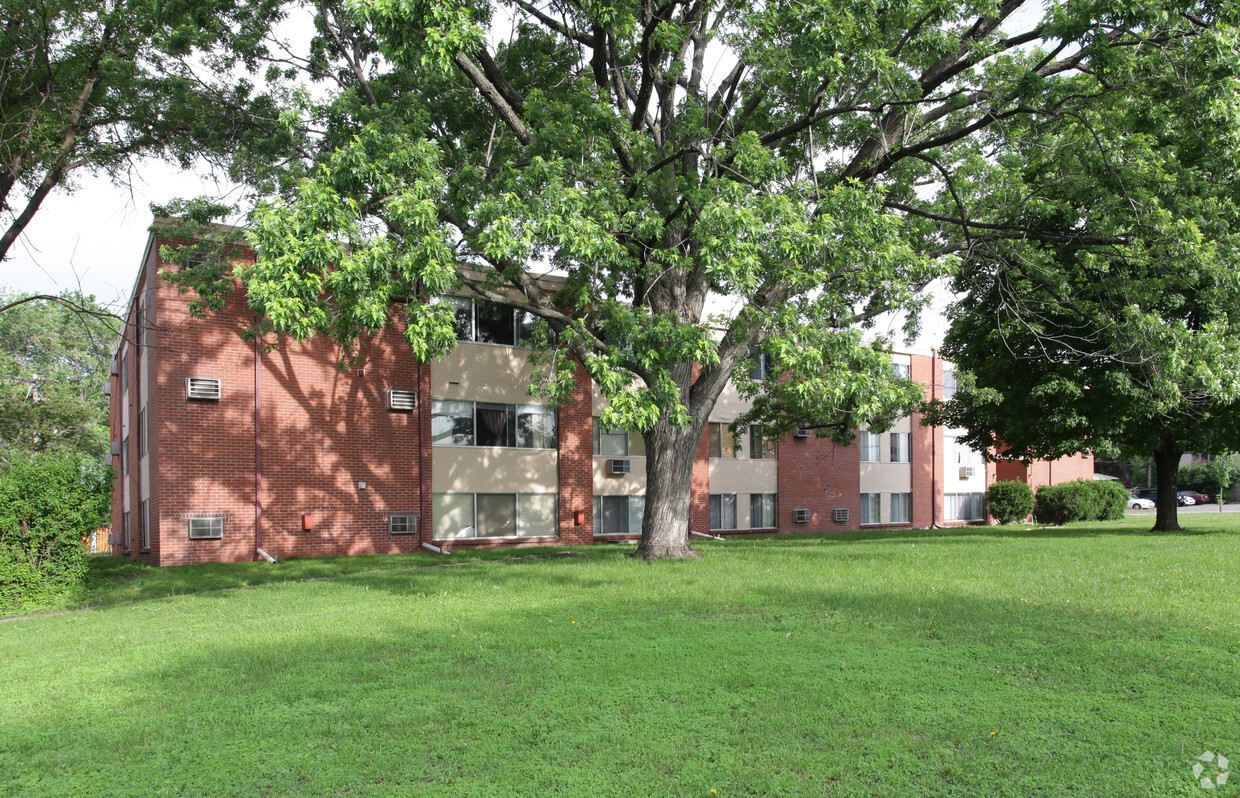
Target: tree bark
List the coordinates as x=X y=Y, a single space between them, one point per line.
x=1167 y=468
x=670 y=452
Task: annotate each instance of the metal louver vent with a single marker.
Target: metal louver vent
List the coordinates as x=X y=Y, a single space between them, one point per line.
x=802 y=432
x=205 y=388
x=618 y=466
x=800 y=515
x=841 y=514
x=206 y=528
x=402 y=401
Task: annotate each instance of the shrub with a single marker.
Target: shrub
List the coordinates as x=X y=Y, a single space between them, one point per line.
x=1198 y=478
x=1081 y=500
x=1009 y=502
x=48 y=503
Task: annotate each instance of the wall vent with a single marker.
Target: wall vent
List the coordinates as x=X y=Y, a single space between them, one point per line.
x=107 y=388
x=114 y=368
x=204 y=388
x=800 y=515
x=402 y=401
x=206 y=528
x=619 y=466
x=801 y=432
x=402 y=524
x=116 y=447
x=966 y=472
x=840 y=514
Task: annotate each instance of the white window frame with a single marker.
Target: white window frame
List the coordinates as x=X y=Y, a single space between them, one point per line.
x=871 y=509
x=871 y=445
x=972 y=503
x=901 y=447
x=634 y=512
x=763 y=503
x=517 y=521
x=720 y=506
x=901 y=505
x=515 y=412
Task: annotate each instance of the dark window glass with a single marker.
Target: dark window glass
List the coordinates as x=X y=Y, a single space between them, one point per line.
x=496 y=324
x=463 y=311
x=496 y=425
x=615 y=515
x=497 y=515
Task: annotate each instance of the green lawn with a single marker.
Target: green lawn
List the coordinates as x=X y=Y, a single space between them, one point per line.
x=1092 y=660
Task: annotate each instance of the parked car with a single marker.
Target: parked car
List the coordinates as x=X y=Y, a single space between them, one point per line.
x=1200 y=498
x=1148 y=493
x=1183 y=499
x=1137 y=503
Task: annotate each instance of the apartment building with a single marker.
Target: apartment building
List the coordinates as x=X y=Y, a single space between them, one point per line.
x=229 y=450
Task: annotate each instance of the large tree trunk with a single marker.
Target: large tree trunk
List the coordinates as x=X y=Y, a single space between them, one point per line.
x=670 y=452
x=1167 y=468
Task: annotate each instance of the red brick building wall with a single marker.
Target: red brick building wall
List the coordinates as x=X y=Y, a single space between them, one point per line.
x=817 y=475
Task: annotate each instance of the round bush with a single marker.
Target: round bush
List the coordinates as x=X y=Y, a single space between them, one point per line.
x=1009 y=502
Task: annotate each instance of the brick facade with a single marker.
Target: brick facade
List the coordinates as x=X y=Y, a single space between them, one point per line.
x=336 y=463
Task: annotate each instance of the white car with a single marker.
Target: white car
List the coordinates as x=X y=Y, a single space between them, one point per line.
x=1140 y=504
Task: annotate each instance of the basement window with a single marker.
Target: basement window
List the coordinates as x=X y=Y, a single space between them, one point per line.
x=206 y=528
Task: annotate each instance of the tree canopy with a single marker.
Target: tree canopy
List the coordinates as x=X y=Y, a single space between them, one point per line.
x=809 y=165
x=1125 y=337
x=91 y=85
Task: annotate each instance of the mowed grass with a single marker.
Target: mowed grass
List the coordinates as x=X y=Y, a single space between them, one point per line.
x=1090 y=660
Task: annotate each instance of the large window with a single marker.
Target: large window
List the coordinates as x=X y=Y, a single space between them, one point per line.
x=142 y=433
x=619 y=515
x=964 y=506
x=901 y=508
x=763 y=366
x=493 y=515
x=723 y=511
x=762 y=511
x=871 y=446
x=761 y=447
x=617 y=442
x=124 y=373
x=902 y=371
x=870 y=508
x=125 y=457
x=488 y=323
x=722 y=442
x=900 y=447
x=949 y=384
x=144 y=525
x=456 y=423
x=125 y=529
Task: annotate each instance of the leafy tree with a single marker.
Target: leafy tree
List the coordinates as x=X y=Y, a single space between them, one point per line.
x=1009 y=501
x=48 y=503
x=1117 y=327
x=54 y=361
x=89 y=85
x=800 y=162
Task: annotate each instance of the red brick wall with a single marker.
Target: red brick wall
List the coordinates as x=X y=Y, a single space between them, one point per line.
x=820 y=476
x=699 y=497
x=926 y=447
x=575 y=429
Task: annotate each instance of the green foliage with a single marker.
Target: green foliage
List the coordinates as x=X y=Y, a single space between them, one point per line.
x=54 y=361
x=48 y=503
x=1080 y=500
x=1213 y=478
x=1009 y=501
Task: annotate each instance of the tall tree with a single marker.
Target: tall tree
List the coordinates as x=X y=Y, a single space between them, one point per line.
x=54 y=361
x=90 y=85
x=1125 y=337
x=790 y=158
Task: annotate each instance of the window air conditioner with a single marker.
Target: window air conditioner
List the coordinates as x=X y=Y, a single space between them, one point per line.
x=618 y=466
x=802 y=432
x=800 y=515
x=966 y=472
x=840 y=514
x=402 y=401
x=205 y=388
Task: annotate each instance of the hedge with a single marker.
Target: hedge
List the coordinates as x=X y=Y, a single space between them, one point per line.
x=1009 y=501
x=1081 y=500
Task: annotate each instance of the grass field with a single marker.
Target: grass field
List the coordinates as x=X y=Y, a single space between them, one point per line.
x=1090 y=660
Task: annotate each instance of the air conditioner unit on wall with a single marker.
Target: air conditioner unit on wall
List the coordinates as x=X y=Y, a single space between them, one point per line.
x=402 y=401
x=802 y=432
x=966 y=472
x=801 y=515
x=619 y=466
x=840 y=514
x=203 y=388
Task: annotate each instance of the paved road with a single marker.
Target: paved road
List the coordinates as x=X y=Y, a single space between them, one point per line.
x=1233 y=507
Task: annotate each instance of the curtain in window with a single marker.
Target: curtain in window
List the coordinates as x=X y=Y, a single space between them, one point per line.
x=493 y=425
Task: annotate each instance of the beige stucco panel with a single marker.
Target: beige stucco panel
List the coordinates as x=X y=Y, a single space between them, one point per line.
x=631 y=484
x=467 y=469
x=744 y=476
x=484 y=373
x=886 y=478
x=730 y=405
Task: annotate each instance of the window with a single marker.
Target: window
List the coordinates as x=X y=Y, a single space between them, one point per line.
x=722 y=442
x=144 y=525
x=869 y=508
x=619 y=515
x=125 y=457
x=211 y=528
x=965 y=455
x=723 y=511
x=486 y=322
x=763 y=365
x=949 y=383
x=900 y=447
x=964 y=506
x=142 y=433
x=491 y=515
x=142 y=325
x=125 y=529
x=403 y=524
x=902 y=371
x=124 y=372
x=762 y=511
x=871 y=447
x=761 y=447
x=455 y=423
x=617 y=442
x=901 y=508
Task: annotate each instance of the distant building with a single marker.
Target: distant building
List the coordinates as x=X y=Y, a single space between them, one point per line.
x=224 y=449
